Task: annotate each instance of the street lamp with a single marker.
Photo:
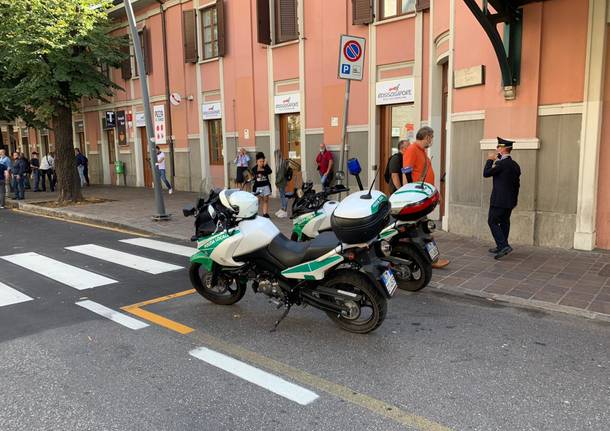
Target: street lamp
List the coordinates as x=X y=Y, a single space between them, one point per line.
x=137 y=49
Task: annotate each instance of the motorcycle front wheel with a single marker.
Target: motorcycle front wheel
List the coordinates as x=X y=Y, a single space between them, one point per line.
x=366 y=314
x=418 y=273
x=226 y=291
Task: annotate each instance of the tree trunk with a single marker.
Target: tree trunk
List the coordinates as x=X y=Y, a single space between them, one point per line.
x=68 y=180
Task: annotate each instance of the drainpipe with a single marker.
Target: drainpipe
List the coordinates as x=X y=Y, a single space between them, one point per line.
x=167 y=94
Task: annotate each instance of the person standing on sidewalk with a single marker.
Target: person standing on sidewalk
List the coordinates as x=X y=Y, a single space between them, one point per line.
x=283 y=175
x=393 y=173
x=416 y=164
x=6 y=161
x=19 y=172
x=160 y=165
x=504 y=195
x=47 y=165
x=3 y=179
x=325 y=165
x=81 y=162
x=242 y=160
x=35 y=166
x=262 y=184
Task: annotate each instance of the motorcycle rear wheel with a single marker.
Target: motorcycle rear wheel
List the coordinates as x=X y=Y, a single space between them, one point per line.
x=221 y=295
x=373 y=301
x=420 y=269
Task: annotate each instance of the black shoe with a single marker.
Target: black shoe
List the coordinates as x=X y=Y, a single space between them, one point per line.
x=493 y=250
x=503 y=252
x=266 y=215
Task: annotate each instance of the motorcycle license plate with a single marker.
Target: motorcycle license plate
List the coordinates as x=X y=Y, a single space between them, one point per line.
x=432 y=250
x=388 y=280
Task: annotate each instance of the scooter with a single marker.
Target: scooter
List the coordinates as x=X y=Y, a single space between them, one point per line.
x=409 y=231
x=342 y=276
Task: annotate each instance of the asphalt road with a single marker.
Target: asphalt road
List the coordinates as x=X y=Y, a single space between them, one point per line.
x=438 y=362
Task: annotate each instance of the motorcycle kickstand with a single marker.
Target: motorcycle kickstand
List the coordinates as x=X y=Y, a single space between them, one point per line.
x=284 y=314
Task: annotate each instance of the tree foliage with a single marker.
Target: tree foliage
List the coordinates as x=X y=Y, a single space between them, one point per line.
x=52 y=54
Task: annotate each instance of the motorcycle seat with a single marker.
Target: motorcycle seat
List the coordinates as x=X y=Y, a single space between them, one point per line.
x=290 y=253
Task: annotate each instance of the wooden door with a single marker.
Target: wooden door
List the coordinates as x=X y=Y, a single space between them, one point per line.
x=443 y=173
x=148 y=178
x=290 y=144
x=111 y=154
x=385 y=147
x=81 y=142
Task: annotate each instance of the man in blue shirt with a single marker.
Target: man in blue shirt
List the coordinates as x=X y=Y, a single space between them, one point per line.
x=6 y=161
x=19 y=172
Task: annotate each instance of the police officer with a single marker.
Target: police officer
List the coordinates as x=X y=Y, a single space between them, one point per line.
x=505 y=172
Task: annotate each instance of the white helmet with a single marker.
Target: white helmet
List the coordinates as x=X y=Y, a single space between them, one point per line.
x=242 y=204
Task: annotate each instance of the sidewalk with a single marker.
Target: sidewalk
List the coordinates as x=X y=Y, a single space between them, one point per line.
x=552 y=279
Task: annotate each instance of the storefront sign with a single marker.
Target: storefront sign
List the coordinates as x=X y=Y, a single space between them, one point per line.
x=121 y=122
x=395 y=91
x=110 y=120
x=140 y=119
x=211 y=111
x=287 y=103
x=469 y=76
x=159 y=124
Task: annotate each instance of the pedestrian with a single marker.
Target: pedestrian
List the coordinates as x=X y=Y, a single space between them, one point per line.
x=35 y=166
x=242 y=160
x=325 y=165
x=393 y=170
x=19 y=171
x=160 y=165
x=6 y=161
x=504 y=195
x=47 y=171
x=416 y=164
x=28 y=171
x=283 y=175
x=81 y=162
x=3 y=180
x=262 y=185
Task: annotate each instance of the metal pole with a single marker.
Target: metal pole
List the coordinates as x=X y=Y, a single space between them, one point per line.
x=344 y=133
x=137 y=49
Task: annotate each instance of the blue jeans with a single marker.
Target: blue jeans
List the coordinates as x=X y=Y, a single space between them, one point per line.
x=19 y=186
x=283 y=198
x=164 y=178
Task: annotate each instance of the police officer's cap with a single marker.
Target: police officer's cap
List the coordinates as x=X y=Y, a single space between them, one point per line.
x=505 y=143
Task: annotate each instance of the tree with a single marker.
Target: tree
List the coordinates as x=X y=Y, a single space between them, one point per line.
x=52 y=55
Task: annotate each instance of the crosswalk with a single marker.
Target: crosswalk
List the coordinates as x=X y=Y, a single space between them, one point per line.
x=72 y=276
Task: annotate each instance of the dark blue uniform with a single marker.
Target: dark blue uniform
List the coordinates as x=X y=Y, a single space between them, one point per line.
x=504 y=197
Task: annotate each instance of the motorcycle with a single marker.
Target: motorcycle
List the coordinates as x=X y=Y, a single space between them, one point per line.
x=409 y=231
x=334 y=273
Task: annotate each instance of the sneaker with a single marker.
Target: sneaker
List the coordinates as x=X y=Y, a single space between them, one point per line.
x=282 y=214
x=503 y=252
x=278 y=212
x=171 y=191
x=493 y=250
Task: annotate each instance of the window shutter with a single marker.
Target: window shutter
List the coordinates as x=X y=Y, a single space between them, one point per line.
x=362 y=12
x=263 y=21
x=286 y=20
x=147 y=50
x=189 y=35
x=126 y=63
x=421 y=5
x=220 y=19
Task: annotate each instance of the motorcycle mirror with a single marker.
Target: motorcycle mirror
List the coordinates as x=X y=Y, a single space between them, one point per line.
x=188 y=210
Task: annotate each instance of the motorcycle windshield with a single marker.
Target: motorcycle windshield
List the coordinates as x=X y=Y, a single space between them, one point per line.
x=206 y=188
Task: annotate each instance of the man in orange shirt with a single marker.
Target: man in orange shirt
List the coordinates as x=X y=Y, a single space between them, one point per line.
x=416 y=164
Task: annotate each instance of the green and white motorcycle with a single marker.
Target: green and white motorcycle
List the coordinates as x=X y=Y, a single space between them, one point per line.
x=340 y=272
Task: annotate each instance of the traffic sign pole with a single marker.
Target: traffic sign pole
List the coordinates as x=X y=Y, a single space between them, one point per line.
x=344 y=131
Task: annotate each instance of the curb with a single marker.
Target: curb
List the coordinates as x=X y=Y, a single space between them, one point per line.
x=455 y=291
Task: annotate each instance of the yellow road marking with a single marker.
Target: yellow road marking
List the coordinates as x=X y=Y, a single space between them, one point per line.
x=163 y=298
x=159 y=320
x=136 y=310
x=374 y=405
x=67 y=220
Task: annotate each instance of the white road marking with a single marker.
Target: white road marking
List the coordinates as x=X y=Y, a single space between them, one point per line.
x=9 y=296
x=166 y=247
x=125 y=259
x=59 y=271
x=254 y=375
x=115 y=316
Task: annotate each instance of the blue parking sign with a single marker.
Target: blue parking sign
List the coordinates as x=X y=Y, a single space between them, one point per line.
x=345 y=68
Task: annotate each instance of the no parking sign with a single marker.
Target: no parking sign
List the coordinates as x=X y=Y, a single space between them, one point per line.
x=351 y=57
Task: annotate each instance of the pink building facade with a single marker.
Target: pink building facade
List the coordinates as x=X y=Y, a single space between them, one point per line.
x=262 y=75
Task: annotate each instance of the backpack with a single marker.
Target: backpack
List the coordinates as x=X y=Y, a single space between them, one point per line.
x=387 y=175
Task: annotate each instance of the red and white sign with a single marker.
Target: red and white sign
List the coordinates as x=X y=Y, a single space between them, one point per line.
x=175 y=99
x=351 y=57
x=159 y=124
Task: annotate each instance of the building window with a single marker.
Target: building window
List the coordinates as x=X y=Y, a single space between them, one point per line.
x=392 y=8
x=212 y=31
x=215 y=141
x=144 y=35
x=285 y=19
